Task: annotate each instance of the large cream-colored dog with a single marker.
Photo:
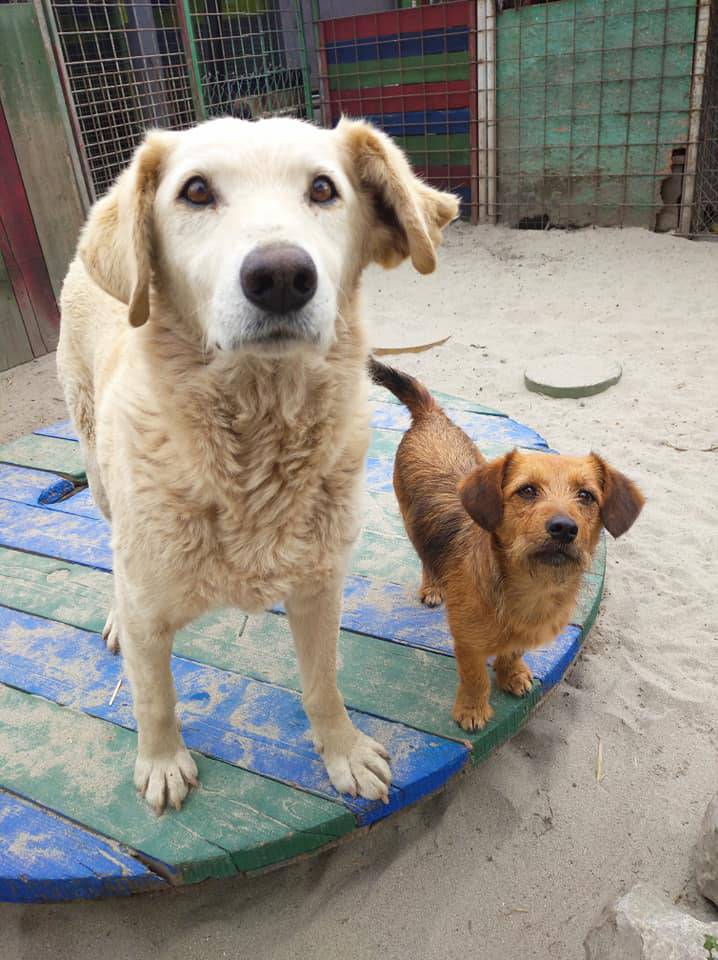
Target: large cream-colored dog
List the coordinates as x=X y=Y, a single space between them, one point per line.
x=213 y=361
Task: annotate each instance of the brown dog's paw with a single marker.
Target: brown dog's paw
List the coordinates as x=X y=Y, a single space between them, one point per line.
x=431 y=595
x=472 y=716
x=517 y=679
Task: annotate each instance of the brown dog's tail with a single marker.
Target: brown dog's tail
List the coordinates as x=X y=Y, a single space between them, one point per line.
x=412 y=394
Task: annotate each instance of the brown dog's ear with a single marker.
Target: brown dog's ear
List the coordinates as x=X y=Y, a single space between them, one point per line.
x=116 y=244
x=481 y=492
x=407 y=216
x=621 y=501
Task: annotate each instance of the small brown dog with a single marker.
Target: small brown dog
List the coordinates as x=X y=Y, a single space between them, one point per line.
x=504 y=542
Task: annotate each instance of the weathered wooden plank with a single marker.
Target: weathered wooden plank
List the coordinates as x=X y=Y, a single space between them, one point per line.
x=393 y=45
x=63 y=430
x=81 y=767
x=14 y=343
x=384 y=73
x=257 y=726
x=44 y=858
x=50 y=532
x=33 y=110
x=45 y=453
x=24 y=485
x=384 y=679
x=481 y=428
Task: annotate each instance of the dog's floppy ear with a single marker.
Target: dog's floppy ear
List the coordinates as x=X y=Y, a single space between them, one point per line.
x=481 y=492
x=116 y=244
x=407 y=216
x=621 y=500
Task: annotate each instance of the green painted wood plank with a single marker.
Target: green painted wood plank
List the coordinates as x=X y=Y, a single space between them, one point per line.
x=384 y=73
x=80 y=767
x=389 y=680
x=14 y=344
x=45 y=453
x=34 y=112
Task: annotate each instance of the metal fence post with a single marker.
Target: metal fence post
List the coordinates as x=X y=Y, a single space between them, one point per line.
x=184 y=16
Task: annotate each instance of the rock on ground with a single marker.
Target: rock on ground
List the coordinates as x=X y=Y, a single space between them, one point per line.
x=642 y=925
x=706 y=862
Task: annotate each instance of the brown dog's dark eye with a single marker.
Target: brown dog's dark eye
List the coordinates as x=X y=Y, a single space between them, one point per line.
x=529 y=492
x=585 y=496
x=197 y=192
x=322 y=190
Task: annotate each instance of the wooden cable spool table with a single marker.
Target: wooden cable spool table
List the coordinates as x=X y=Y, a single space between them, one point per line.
x=71 y=825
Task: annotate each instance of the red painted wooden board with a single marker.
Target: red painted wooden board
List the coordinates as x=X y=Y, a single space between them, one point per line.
x=401 y=98
x=21 y=248
x=437 y=16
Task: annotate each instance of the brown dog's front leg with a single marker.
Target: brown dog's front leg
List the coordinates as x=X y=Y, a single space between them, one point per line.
x=512 y=674
x=472 y=710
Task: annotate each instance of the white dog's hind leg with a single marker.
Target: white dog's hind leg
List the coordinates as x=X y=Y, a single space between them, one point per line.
x=356 y=763
x=164 y=769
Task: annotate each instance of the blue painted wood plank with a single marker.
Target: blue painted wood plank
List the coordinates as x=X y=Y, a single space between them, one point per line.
x=55 y=534
x=480 y=427
x=24 y=485
x=409 y=44
x=393 y=612
x=64 y=430
x=254 y=725
x=379 y=475
x=44 y=858
x=419 y=123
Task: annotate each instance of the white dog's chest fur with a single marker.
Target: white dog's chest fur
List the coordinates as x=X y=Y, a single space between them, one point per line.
x=233 y=502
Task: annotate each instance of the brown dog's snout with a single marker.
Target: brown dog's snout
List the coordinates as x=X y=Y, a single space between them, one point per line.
x=562 y=528
x=278 y=277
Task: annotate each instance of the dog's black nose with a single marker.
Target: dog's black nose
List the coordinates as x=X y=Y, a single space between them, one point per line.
x=562 y=528
x=279 y=277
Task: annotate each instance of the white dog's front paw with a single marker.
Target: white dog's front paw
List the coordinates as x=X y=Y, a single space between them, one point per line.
x=164 y=780
x=356 y=764
x=111 y=633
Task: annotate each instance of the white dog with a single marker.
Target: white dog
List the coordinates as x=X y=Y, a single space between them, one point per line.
x=213 y=361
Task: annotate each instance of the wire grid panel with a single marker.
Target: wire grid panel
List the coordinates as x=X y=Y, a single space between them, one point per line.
x=251 y=58
x=127 y=72
x=412 y=72
x=705 y=198
x=593 y=100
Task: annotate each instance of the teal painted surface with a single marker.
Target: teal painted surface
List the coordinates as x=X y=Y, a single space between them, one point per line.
x=592 y=98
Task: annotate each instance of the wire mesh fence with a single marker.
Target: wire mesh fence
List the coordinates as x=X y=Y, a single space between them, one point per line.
x=705 y=200
x=251 y=59
x=537 y=113
x=126 y=71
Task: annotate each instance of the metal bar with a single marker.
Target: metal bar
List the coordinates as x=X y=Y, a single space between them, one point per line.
x=324 y=109
x=473 y=119
x=184 y=16
x=304 y=60
x=491 y=111
x=694 y=123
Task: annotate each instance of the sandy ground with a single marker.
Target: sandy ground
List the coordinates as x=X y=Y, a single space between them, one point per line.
x=516 y=858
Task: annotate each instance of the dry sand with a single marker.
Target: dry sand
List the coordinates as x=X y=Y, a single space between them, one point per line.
x=516 y=858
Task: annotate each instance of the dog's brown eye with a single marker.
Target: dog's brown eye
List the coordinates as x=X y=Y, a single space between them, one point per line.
x=197 y=192
x=322 y=190
x=529 y=492
x=585 y=496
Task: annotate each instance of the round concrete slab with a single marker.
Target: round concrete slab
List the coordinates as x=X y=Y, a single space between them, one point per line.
x=572 y=375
